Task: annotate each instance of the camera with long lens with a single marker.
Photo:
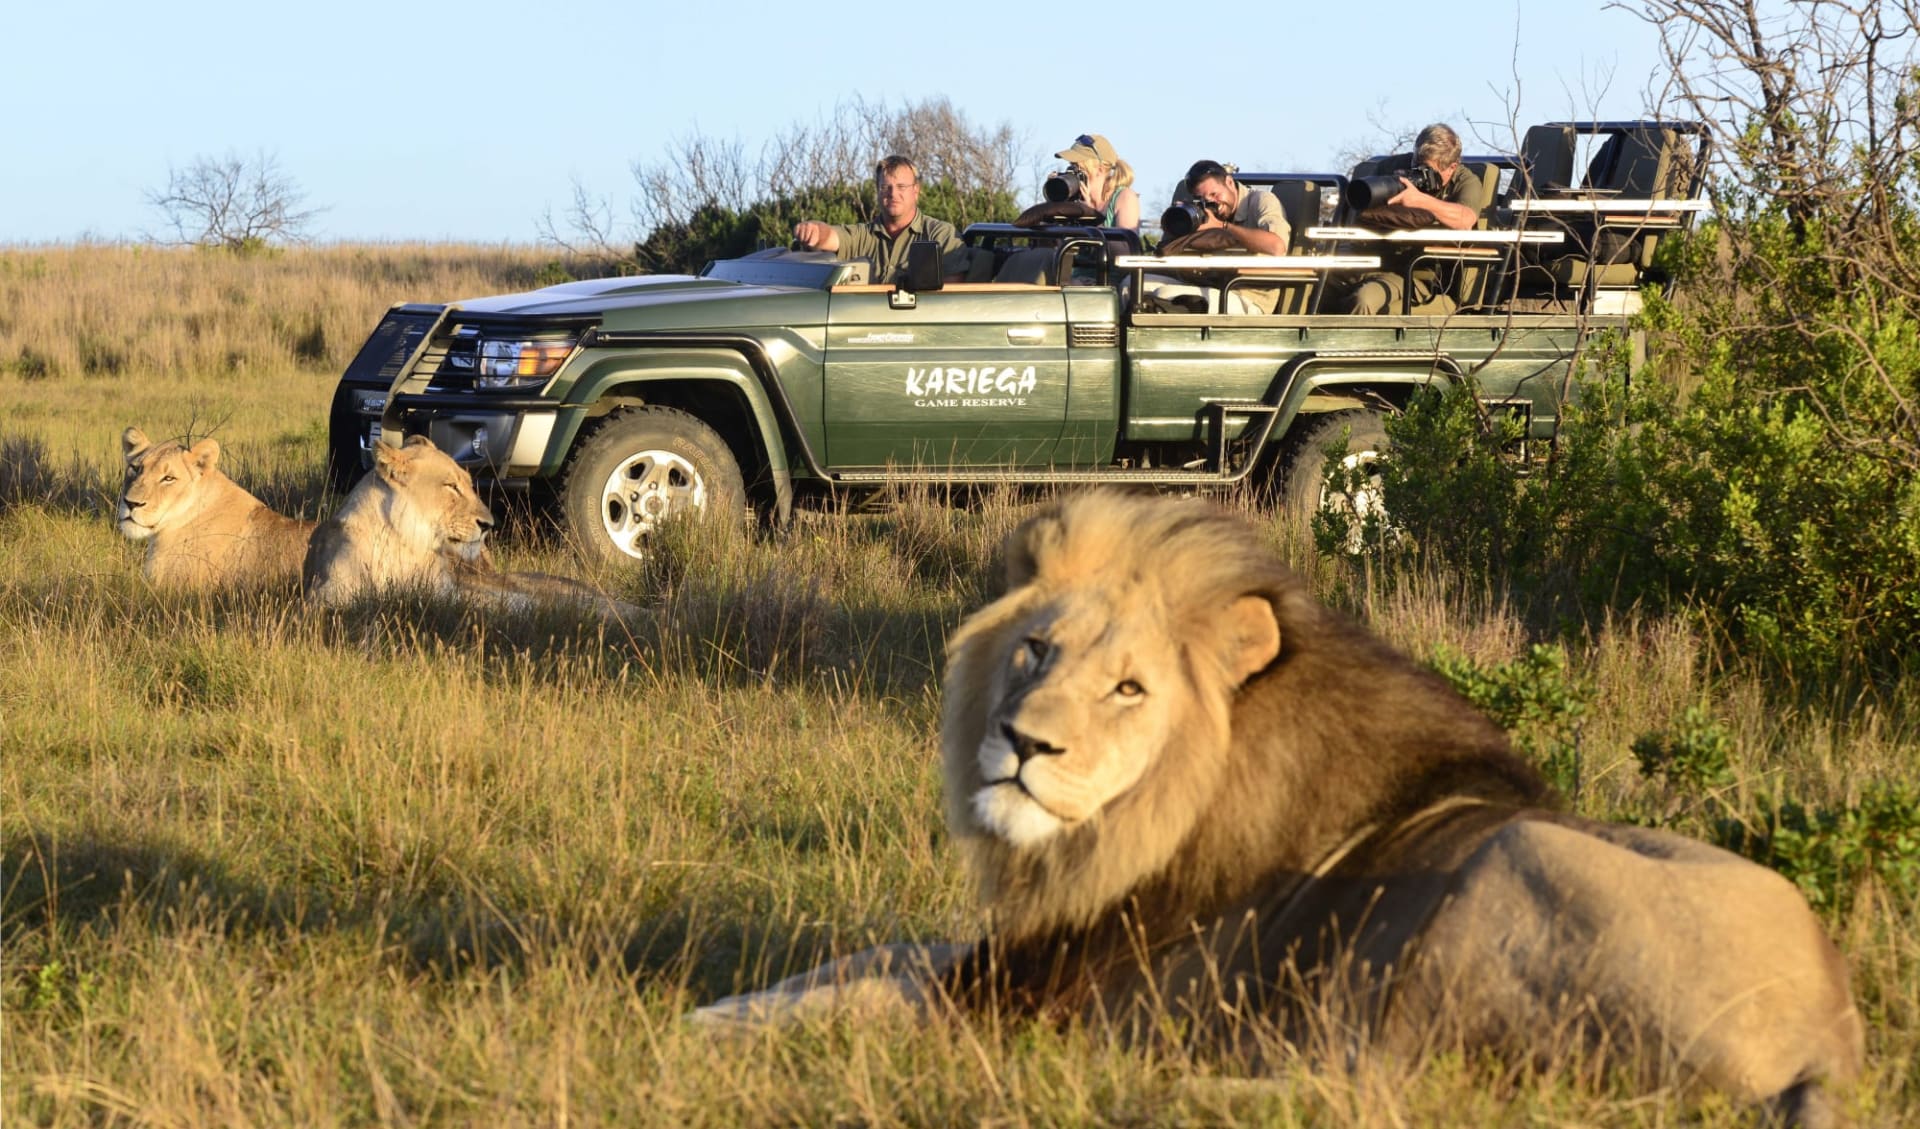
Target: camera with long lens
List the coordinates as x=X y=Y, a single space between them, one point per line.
x=1065 y=185
x=1374 y=191
x=1182 y=218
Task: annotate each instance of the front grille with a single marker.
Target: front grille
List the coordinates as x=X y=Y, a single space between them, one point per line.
x=386 y=351
x=1093 y=336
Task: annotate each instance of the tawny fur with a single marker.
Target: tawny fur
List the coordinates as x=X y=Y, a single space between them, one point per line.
x=1183 y=786
x=416 y=523
x=202 y=529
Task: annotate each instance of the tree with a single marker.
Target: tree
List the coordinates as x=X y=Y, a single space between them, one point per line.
x=233 y=202
x=708 y=198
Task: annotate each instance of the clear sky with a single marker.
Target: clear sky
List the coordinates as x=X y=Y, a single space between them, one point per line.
x=470 y=121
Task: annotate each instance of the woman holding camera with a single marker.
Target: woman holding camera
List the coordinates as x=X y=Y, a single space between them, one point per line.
x=1105 y=178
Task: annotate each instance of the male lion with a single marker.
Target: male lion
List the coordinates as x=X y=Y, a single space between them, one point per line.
x=417 y=522
x=202 y=529
x=1183 y=785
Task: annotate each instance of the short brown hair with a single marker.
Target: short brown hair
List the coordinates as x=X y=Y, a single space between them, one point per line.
x=1438 y=146
x=893 y=164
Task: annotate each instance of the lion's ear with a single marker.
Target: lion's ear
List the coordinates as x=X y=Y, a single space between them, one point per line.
x=390 y=462
x=1029 y=543
x=419 y=441
x=206 y=454
x=1250 y=638
x=133 y=441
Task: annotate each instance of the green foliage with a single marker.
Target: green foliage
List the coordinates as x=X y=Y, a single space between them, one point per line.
x=1831 y=852
x=716 y=231
x=1537 y=698
x=1693 y=756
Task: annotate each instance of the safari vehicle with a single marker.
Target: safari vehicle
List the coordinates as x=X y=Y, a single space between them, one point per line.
x=766 y=381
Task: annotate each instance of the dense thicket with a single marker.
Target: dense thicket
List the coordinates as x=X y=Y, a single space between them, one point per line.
x=1769 y=476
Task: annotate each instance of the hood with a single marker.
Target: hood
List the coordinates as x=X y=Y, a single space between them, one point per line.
x=660 y=301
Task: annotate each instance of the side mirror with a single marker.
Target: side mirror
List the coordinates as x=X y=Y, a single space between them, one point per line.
x=923 y=265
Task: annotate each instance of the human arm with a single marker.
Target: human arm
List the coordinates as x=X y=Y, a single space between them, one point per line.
x=1459 y=206
x=1258 y=224
x=817 y=236
x=1126 y=210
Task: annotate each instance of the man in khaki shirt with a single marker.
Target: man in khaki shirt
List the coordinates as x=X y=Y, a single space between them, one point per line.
x=1457 y=207
x=896 y=224
x=1252 y=218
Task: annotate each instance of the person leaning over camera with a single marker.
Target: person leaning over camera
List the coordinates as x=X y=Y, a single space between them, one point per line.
x=1250 y=219
x=1456 y=203
x=1104 y=178
x=897 y=222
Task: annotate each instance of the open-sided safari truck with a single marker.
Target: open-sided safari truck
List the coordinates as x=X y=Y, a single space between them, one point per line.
x=769 y=379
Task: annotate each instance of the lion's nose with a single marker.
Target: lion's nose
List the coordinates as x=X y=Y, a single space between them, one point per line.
x=1027 y=747
x=131 y=504
x=486 y=523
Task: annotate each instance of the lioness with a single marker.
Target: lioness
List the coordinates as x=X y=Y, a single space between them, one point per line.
x=1183 y=785
x=416 y=522
x=201 y=528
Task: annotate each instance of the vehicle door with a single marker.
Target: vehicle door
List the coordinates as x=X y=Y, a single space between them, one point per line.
x=972 y=375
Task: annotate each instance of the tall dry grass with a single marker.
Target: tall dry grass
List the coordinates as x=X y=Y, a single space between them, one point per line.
x=261 y=864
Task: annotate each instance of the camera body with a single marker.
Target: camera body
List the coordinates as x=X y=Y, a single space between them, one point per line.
x=1182 y=218
x=1374 y=191
x=1067 y=184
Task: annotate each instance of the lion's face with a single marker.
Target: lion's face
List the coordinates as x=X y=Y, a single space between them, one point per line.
x=1083 y=702
x=429 y=499
x=163 y=482
x=1095 y=693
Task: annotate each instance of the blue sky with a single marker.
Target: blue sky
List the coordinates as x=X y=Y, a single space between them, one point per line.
x=470 y=121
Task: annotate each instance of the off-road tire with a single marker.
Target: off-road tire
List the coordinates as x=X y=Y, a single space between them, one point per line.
x=1303 y=475
x=641 y=466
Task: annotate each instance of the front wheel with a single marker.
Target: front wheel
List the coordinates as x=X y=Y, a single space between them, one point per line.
x=1345 y=501
x=641 y=467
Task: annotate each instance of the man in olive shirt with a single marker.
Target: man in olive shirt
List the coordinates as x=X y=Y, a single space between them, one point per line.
x=1458 y=205
x=896 y=224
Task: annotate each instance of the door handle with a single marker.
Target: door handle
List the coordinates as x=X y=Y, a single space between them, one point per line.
x=1027 y=336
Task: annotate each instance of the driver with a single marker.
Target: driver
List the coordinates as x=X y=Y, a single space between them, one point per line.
x=897 y=222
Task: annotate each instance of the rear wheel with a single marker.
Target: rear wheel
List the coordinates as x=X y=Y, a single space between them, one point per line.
x=1351 y=498
x=644 y=466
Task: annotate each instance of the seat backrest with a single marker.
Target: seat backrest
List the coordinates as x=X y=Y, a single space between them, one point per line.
x=1650 y=163
x=1300 y=200
x=1030 y=265
x=1546 y=160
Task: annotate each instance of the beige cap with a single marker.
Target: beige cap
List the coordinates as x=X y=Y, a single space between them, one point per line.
x=1090 y=147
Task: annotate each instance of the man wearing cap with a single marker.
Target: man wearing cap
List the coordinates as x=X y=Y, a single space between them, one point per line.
x=1106 y=177
x=896 y=224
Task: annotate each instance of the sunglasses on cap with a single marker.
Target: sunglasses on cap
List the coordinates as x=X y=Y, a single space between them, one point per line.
x=1084 y=139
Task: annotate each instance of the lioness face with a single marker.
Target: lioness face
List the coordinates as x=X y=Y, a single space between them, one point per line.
x=431 y=499
x=161 y=483
x=1087 y=696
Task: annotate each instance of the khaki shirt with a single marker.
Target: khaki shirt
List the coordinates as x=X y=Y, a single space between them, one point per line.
x=1432 y=277
x=888 y=253
x=1260 y=208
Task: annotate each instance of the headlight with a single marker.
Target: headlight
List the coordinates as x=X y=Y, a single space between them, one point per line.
x=518 y=364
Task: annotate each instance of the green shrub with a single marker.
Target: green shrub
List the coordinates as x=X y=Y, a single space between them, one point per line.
x=1537 y=698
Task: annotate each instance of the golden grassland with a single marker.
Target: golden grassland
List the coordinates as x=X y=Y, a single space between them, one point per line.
x=412 y=866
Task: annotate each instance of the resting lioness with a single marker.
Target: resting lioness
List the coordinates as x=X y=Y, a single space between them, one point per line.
x=201 y=528
x=417 y=523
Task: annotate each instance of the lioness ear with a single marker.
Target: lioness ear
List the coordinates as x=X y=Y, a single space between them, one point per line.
x=419 y=441
x=205 y=454
x=1251 y=637
x=133 y=441
x=390 y=462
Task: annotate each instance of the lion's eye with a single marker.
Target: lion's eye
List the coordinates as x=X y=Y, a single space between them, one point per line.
x=165 y=478
x=1130 y=689
x=1035 y=649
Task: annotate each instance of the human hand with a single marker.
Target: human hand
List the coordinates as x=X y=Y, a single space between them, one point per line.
x=809 y=233
x=1409 y=197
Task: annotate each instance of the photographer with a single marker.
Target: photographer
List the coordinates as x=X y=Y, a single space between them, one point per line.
x=1102 y=179
x=896 y=224
x=1451 y=198
x=1229 y=216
